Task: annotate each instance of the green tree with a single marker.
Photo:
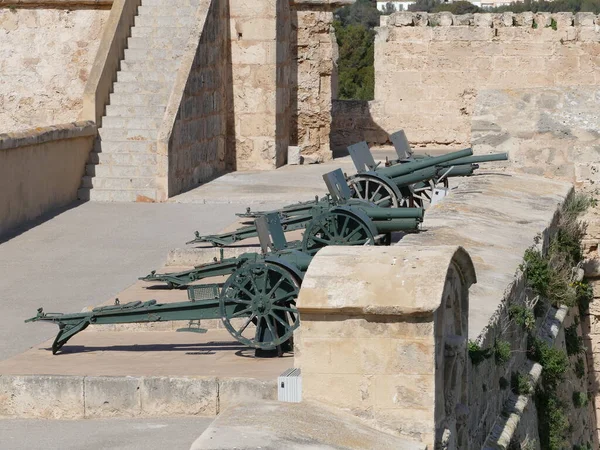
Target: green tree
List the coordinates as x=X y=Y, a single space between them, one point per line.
x=356 y=79
x=355 y=37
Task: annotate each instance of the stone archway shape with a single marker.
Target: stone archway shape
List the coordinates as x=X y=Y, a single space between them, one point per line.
x=383 y=335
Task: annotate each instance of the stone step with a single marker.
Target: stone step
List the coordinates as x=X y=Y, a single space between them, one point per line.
x=135 y=111
x=165 y=21
x=123 y=158
x=119 y=183
x=110 y=195
x=157 y=42
x=145 y=54
x=126 y=147
x=144 y=76
x=152 y=65
x=127 y=134
x=160 y=32
x=133 y=87
x=138 y=122
x=158 y=99
x=114 y=170
x=167 y=10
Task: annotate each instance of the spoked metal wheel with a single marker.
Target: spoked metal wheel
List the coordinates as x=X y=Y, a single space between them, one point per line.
x=258 y=305
x=423 y=192
x=375 y=191
x=336 y=228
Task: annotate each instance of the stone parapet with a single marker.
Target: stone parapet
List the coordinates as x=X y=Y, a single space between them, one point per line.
x=40 y=135
x=491 y=20
x=40 y=170
x=383 y=335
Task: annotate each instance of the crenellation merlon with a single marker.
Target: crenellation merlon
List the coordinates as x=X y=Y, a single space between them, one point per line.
x=559 y=20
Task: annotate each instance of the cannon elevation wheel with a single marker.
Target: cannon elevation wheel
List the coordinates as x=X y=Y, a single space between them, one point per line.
x=375 y=191
x=265 y=316
x=337 y=227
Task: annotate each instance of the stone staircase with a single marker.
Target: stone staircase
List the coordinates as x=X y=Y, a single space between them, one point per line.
x=123 y=165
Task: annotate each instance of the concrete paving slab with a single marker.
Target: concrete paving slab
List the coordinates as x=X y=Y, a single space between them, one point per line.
x=152 y=353
x=175 y=433
x=288 y=184
x=275 y=426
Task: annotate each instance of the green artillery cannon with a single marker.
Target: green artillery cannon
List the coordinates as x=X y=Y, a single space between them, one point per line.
x=257 y=303
x=334 y=220
x=409 y=181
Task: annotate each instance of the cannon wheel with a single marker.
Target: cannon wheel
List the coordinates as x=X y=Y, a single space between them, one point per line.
x=375 y=191
x=422 y=195
x=337 y=227
x=266 y=297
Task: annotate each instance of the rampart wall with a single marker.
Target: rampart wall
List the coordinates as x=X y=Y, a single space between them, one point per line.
x=46 y=54
x=430 y=67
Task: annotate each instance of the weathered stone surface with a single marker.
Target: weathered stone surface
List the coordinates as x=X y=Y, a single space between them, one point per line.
x=192 y=140
x=112 y=397
x=45 y=59
x=546 y=131
x=303 y=426
x=233 y=391
x=373 y=370
x=42 y=396
x=427 y=78
x=162 y=396
x=40 y=170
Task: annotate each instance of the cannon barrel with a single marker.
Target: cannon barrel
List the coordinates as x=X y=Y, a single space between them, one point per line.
x=392 y=225
x=477 y=159
x=377 y=214
x=404 y=169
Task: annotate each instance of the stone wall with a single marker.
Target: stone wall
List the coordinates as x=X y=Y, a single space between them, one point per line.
x=552 y=132
x=351 y=122
x=315 y=76
x=40 y=170
x=193 y=136
x=260 y=65
x=45 y=60
x=429 y=67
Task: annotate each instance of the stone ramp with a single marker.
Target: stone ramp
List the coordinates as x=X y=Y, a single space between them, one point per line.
x=130 y=374
x=275 y=426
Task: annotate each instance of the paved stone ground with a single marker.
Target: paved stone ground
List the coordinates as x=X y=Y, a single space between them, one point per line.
x=86 y=255
x=101 y=434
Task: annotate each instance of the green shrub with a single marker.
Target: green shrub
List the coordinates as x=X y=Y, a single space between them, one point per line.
x=502 y=351
x=519 y=384
x=478 y=354
x=553 y=361
x=522 y=316
x=580 y=399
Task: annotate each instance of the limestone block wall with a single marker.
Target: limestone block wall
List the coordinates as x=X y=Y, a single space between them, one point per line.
x=429 y=67
x=384 y=335
x=193 y=136
x=550 y=131
x=40 y=170
x=45 y=59
x=260 y=78
x=316 y=55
